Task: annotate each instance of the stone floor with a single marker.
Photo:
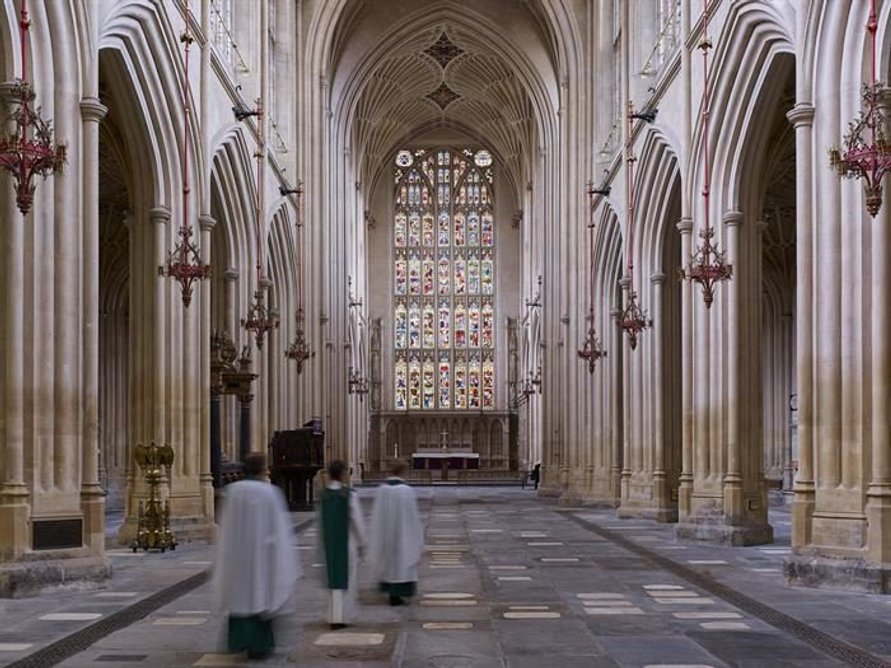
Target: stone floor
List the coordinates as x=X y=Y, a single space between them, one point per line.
x=507 y=580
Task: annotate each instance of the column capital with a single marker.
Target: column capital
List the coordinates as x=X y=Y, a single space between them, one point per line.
x=685 y=225
x=206 y=222
x=625 y=282
x=615 y=314
x=160 y=214
x=92 y=110
x=801 y=115
x=231 y=274
x=265 y=284
x=658 y=278
x=7 y=89
x=732 y=218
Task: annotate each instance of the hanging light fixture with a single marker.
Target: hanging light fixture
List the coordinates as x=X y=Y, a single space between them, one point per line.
x=184 y=263
x=592 y=350
x=707 y=265
x=867 y=153
x=634 y=319
x=28 y=150
x=298 y=350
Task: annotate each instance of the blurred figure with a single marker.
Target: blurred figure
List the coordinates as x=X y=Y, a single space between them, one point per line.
x=397 y=537
x=257 y=565
x=536 y=475
x=342 y=539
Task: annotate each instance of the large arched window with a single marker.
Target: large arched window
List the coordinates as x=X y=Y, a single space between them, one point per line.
x=444 y=281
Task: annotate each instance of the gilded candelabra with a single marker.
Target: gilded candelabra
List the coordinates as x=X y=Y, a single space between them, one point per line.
x=153 y=532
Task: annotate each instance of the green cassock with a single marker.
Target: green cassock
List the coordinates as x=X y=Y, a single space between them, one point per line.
x=335 y=536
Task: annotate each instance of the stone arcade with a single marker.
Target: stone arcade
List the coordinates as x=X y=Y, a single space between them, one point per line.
x=449 y=254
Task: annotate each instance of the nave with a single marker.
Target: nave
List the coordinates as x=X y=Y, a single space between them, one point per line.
x=508 y=580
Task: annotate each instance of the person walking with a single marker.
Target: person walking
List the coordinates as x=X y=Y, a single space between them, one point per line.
x=342 y=539
x=536 y=475
x=397 y=537
x=257 y=566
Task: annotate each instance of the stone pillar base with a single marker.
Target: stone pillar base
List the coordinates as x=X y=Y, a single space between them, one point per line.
x=853 y=574
x=41 y=572
x=723 y=534
x=184 y=529
x=664 y=515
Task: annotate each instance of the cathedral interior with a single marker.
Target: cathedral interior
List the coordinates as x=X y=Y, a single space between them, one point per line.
x=636 y=247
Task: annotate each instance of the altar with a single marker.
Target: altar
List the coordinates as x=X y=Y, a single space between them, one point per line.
x=445 y=459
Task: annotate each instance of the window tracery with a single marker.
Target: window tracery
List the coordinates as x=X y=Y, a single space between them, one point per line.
x=444 y=280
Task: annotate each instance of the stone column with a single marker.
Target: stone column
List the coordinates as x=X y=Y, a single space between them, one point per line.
x=15 y=509
x=661 y=494
x=92 y=494
x=732 y=480
x=203 y=452
x=878 y=495
x=685 y=480
x=616 y=404
x=230 y=319
x=802 y=117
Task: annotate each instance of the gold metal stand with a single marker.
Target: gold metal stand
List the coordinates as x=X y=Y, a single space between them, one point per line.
x=153 y=532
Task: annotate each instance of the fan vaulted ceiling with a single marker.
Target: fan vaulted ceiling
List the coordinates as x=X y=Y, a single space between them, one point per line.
x=444 y=78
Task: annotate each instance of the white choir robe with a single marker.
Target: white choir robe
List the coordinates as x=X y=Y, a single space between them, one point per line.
x=257 y=564
x=397 y=534
x=342 y=603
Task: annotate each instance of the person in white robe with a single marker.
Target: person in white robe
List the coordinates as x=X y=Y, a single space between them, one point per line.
x=257 y=566
x=397 y=537
x=342 y=544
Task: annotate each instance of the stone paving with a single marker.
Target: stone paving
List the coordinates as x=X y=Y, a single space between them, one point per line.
x=508 y=579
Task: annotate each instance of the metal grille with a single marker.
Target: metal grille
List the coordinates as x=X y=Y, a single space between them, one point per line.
x=838 y=649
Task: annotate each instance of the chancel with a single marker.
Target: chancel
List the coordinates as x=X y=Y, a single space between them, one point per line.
x=613 y=271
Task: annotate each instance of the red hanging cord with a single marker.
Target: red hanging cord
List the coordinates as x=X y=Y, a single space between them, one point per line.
x=259 y=156
x=187 y=110
x=24 y=25
x=706 y=103
x=629 y=180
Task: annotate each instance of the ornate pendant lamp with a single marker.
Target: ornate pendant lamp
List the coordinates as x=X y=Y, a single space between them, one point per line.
x=29 y=149
x=707 y=265
x=867 y=153
x=592 y=350
x=634 y=319
x=184 y=263
x=259 y=319
x=298 y=350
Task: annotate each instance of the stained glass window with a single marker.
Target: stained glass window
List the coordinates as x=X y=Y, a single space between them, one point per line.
x=444 y=280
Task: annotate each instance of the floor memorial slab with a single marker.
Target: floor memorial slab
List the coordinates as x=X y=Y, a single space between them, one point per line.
x=706 y=615
x=447 y=626
x=726 y=626
x=559 y=560
x=179 y=621
x=508 y=568
x=349 y=639
x=529 y=607
x=70 y=616
x=599 y=595
x=514 y=578
x=447 y=595
x=673 y=594
x=685 y=601
x=15 y=646
x=448 y=603
x=615 y=611
x=531 y=615
x=544 y=544
x=116 y=594
x=606 y=603
x=707 y=562
x=656 y=587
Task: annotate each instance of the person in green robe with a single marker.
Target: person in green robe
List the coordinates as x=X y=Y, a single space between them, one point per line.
x=342 y=539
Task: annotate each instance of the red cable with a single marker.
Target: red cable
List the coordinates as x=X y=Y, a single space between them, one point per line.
x=706 y=102
x=187 y=111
